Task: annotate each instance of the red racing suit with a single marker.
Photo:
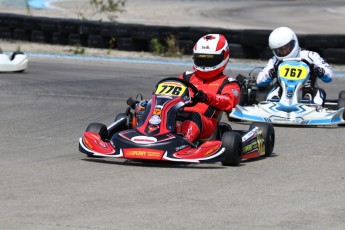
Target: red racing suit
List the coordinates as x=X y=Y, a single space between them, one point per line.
x=223 y=94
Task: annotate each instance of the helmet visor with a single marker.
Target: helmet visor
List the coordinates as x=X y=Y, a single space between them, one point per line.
x=285 y=49
x=207 y=60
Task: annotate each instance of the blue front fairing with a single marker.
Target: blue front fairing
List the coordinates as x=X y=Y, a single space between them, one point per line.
x=291 y=74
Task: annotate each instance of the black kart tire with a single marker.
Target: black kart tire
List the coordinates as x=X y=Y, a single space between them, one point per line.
x=341 y=104
x=244 y=97
x=268 y=134
x=128 y=118
x=341 y=94
x=232 y=142
x=119 y=116
x=123 y=125
x=261 y=94
x=99 y=128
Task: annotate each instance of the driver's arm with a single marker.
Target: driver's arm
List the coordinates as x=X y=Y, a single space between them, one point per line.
x=263 y=79
x=318 y=61
x=228 y=98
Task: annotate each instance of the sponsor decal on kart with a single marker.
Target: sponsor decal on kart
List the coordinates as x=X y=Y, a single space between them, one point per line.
x=209 y=152
x=261 y=143
x=288 y=120
x=180 y=147
x=252 y=146
x=139 y=153
x=250 y=134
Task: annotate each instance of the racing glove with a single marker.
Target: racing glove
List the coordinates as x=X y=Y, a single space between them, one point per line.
x=317 y=71
x=132 y=103
x=272 y=73
x=200 y=96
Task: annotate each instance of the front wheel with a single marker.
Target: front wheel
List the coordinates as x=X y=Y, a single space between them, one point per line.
x=98 y=128
x=268 y=134
x=232 y=142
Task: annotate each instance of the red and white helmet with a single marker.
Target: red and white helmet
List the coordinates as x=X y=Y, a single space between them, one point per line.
x=210 y=55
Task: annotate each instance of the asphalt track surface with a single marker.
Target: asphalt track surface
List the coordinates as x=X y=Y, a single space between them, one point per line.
x=46 y=183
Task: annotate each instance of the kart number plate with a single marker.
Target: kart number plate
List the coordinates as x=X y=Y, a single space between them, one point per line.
x=291 y=72
x=174 y=89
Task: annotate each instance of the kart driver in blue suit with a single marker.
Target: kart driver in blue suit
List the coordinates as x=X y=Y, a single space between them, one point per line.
x=284 y=44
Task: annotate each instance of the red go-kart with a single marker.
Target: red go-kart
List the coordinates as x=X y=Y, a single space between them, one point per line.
x=153 y=136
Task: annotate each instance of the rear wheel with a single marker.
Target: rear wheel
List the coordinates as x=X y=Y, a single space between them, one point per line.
x=342 y=94
x=341 y=104
x=268 y=134
x=98 y=128
x=232 y=142
x=244 y=97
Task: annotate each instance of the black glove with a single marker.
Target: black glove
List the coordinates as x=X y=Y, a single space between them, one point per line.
x=200 y=96
x=317 y=71
x=273 y=73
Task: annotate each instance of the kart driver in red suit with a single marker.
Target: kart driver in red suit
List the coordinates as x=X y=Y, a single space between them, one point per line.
x=217 y=92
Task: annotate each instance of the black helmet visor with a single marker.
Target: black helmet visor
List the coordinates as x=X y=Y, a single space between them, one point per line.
x=207 y=60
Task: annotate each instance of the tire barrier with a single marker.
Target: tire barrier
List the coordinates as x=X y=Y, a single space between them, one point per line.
x=336 y=56
x=251 y=44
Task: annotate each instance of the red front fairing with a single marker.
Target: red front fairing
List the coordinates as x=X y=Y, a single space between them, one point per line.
x=95 y=144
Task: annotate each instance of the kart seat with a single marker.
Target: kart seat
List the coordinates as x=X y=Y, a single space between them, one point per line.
x=221 y=127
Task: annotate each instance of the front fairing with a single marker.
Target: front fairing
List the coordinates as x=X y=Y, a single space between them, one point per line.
x=292 y=75
x=160 y=115
x=131 y=144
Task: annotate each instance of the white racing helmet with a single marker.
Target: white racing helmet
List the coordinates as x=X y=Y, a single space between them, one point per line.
x=284 y=43
x=210 y=55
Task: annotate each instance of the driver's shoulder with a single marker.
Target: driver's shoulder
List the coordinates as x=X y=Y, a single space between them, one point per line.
x=309 y=55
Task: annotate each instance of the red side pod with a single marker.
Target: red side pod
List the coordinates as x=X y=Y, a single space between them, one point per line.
x=94 y=142
x=253 y=154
